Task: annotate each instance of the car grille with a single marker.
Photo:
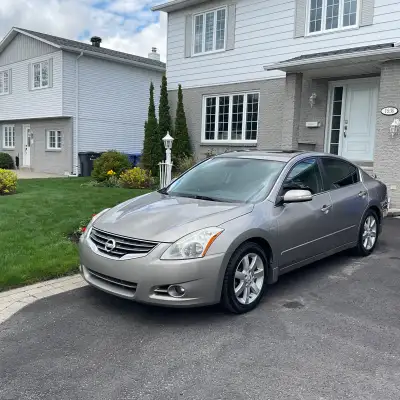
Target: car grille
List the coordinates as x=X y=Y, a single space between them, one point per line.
x=119 y=282
x=123 y=245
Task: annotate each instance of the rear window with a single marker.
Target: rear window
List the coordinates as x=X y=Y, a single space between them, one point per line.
x=339 y=173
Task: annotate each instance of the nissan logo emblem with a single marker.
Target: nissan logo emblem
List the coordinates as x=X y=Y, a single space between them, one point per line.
x=109 y=245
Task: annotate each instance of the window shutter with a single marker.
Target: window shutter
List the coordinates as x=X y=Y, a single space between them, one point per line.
x=50 y=72
x=300 y=18
x=9 y=81
x=231 y=27
x=367 y=12
x=188 y=35
x=30 y=76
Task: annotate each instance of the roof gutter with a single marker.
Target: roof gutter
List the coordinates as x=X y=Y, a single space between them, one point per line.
x=176 y=5
x=115 y=59
x=336 y=57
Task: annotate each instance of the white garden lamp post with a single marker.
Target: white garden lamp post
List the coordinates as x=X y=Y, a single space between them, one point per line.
x=166 y=167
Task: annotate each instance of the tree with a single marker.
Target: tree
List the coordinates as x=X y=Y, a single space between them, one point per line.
x=164 y=116
x=181 y=146
x=152 y=145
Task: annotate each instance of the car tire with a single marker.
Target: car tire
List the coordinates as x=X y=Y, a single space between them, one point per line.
x=243 y=289
x=369 y=230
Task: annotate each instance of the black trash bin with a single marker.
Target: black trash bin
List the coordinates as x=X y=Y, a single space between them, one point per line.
x=86 y=160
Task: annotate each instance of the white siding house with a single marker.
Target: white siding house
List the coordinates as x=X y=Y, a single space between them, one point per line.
x=290 y=74
x=59 y=97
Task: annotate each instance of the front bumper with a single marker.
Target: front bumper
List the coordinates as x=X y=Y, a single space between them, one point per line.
x=146 y=279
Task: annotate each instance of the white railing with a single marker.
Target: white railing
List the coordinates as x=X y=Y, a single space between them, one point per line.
x=165 y=174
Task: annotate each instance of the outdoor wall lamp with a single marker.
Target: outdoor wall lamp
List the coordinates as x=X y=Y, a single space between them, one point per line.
x=312 y=99
x=395 y=127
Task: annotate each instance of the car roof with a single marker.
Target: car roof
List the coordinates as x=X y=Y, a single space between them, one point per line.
x=276 y=155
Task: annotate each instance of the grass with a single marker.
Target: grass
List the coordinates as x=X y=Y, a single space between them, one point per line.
x=36 y=221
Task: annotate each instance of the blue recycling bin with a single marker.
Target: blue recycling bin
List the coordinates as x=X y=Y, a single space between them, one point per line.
x=134 y=159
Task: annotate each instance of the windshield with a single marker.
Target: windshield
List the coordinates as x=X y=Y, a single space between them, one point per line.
x=228 y=179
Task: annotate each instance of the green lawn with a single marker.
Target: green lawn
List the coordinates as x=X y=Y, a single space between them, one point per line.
x=35 y=224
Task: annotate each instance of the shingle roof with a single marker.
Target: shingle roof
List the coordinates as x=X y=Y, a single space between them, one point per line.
x=343 y=51
x=62 y=42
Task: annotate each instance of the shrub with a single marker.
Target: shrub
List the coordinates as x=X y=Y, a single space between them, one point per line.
x=6 y=161
x=135 y=178
x=8 y=182
x=110 y=161
x=184 y=163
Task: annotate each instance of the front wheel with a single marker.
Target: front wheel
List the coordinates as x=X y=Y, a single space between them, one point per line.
x=368 y=235
x=245 y=277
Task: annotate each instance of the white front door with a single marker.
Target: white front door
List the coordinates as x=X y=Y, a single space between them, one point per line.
x=26 y=143
x=353 y=119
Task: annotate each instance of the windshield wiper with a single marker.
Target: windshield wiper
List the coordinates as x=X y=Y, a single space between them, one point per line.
x=199 y=197
x=163 y=191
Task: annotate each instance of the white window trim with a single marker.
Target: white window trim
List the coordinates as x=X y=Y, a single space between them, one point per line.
x=56 y=140
x=33 y=75
x=215 y=10
x=340 y=27
x=4 y=137
x=244 y=122
x=2 y=77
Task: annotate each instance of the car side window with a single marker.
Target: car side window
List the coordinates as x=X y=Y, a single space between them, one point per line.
x=304 y=175
x=338 y=173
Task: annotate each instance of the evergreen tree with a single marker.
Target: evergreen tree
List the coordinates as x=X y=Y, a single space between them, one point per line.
x=152 y=146
x=181 y=146
x=164 y=117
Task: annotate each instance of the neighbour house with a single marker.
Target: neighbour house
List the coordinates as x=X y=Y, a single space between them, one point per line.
x=59 y=97
x=305 y=74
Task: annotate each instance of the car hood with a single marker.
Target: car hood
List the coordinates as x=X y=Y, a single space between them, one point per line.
x=164 y=218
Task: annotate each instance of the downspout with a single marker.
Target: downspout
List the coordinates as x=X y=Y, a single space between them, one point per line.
x=75 y=156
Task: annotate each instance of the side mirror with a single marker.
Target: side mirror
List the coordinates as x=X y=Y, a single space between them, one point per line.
x=297 y=196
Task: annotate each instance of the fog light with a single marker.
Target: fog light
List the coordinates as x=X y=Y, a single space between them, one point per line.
x=176 y=291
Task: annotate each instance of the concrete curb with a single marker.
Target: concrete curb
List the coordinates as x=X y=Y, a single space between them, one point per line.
x=13 y=300
x=394 y=212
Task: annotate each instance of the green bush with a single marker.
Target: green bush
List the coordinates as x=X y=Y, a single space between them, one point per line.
x=184 y=163
x=135 y=178
x=8 y=182
x=6 y=161
x=110 y=161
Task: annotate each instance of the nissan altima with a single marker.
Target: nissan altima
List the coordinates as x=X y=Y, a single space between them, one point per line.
x=230 y=226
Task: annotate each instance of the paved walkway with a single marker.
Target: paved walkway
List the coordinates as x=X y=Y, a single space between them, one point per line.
x=27 y=174
x=12 y=301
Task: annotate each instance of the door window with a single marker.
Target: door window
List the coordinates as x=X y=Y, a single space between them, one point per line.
x=304 y=175
x=338 y=173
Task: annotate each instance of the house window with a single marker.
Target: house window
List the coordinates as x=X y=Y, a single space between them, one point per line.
x=40 y=72
x=209 y=31
x=54 y=140
x=326 y=15
x=231 y=118
x=8 y=136
x=4 y=82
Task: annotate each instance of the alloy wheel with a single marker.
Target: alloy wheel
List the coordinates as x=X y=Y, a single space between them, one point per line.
x=249 y=278
x=369 y=233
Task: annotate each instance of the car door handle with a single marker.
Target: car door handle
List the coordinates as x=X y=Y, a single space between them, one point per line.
x=325 y=209
x=363 y=193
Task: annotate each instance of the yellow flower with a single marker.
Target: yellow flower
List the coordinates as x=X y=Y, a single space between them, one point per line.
x=110 y=172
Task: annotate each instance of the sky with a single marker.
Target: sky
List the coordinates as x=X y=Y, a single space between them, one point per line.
x=125 y=25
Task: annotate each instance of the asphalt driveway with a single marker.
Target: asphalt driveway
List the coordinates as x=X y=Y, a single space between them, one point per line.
x=327 y=331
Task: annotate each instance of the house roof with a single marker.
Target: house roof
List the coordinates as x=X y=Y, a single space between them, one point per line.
x=373 y=52
x=175 y=5
x=76 y=46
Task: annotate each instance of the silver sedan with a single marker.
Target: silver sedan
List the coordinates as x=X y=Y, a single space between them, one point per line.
x=230 y=226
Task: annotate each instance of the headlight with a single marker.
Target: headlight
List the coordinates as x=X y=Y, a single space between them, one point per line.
x=90 y=224
x=194 y=245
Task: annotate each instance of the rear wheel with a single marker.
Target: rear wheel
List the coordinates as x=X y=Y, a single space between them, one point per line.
x=245 y=277
x=368 y=235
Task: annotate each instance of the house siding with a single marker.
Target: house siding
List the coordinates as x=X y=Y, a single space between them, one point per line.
x=69 y=83
x=22 y=103
x=265 y=31
x=115 y=118
x=270 y=114
x=22 y=48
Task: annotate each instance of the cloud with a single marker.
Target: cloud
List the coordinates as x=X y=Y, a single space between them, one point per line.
x=124 y=25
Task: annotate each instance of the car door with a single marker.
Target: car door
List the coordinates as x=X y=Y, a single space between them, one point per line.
x=304 y=228
x=349 y=198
